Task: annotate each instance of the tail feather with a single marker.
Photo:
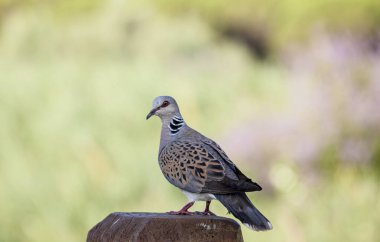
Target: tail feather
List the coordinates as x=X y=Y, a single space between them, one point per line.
x=241 y=207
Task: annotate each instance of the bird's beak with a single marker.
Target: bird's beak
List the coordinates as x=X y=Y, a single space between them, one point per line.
x=152 y=112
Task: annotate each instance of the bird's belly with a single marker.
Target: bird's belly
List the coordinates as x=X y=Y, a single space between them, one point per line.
x=198 y=196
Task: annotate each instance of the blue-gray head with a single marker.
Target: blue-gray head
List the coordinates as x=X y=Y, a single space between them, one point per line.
x=164 y=107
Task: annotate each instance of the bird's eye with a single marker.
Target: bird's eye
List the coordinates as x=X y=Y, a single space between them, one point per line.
x=165 y=104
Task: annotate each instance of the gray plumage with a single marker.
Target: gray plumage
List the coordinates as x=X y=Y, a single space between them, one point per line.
x=198 y=166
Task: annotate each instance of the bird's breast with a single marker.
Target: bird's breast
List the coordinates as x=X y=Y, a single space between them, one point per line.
x=198 y=196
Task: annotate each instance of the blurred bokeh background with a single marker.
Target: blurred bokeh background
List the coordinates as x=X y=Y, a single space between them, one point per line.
x=290 y=89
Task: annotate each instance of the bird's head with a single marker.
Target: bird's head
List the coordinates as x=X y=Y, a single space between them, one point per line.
x=163 y=107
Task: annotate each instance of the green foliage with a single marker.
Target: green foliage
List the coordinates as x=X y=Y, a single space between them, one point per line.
x=282 y=22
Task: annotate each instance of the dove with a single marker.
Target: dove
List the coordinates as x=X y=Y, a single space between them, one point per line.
x=200 y=168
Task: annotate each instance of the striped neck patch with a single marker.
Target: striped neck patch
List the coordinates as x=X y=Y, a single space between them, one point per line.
x=175 y=125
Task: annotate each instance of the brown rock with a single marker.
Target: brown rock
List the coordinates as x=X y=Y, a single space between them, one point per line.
x=138 y=227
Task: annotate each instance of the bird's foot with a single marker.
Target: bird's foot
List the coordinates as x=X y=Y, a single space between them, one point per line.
x=180 y=212
x=206 y=213
x=184 y=210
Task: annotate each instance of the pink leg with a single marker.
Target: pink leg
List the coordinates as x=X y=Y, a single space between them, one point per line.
x=207 y=210
x=183 y=210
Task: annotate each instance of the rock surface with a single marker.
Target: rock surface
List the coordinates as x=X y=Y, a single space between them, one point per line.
x=160 y=227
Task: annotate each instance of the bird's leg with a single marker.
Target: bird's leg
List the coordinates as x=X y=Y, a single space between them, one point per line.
x=183 y=210
x=207 y=210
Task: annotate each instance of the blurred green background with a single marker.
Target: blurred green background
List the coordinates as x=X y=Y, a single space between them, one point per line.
x=290 y=89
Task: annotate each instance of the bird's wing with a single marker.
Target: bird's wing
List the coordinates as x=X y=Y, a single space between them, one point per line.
x=213 y=145
x=188 y=165
x=234 y=178
x=197 y=167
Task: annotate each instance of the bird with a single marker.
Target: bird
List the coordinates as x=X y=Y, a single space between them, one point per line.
x=200 y=168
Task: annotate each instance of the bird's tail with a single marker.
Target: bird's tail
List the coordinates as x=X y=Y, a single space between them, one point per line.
x=241 y=207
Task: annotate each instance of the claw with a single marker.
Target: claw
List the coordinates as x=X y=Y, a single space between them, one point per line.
x=205 y=213
x=183 y=210
x=209 y=213
x=180 y=212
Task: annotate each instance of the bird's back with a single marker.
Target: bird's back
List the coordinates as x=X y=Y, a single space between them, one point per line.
x=196 y=163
